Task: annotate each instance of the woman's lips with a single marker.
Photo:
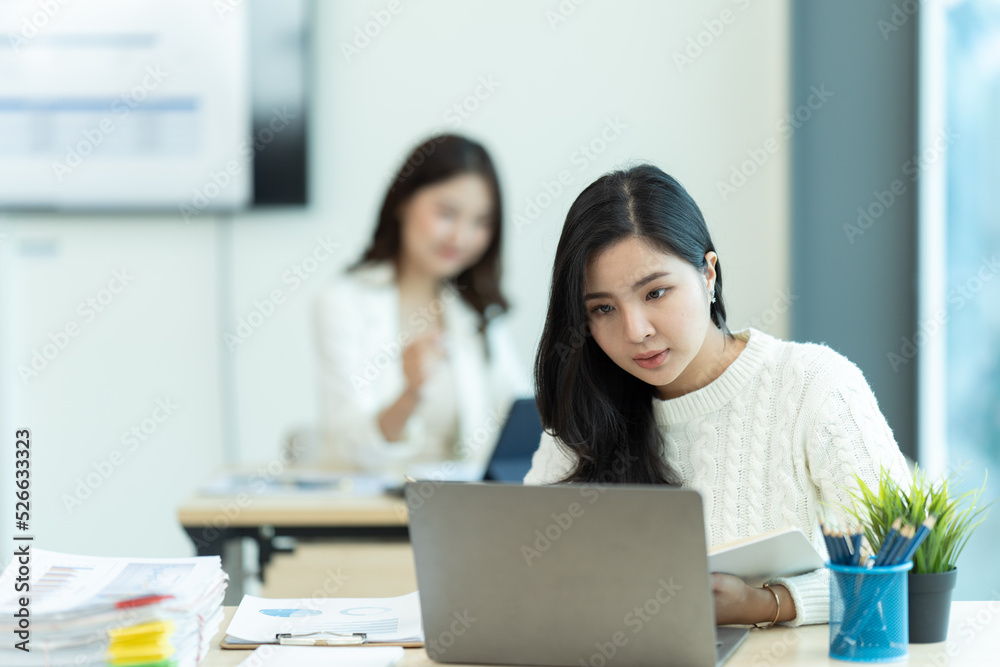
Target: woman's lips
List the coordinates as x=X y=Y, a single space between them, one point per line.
x=653 y=362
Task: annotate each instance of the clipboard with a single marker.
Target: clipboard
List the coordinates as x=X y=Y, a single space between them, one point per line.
x=393 y=621
x=315 y=639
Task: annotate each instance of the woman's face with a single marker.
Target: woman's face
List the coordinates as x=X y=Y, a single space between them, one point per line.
x=642 y=303
x=447 y=226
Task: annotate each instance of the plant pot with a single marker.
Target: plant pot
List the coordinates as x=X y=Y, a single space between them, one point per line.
x=930 y=605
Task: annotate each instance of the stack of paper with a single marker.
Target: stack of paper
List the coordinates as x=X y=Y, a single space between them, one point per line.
x=86 y=611
x=143 y=644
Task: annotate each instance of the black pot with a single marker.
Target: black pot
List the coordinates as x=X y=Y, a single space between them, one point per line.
x=930 y=605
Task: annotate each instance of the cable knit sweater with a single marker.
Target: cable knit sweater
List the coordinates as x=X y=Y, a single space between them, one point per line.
x=769 y=444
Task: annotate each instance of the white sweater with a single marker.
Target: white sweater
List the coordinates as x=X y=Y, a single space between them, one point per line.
x=784 y=428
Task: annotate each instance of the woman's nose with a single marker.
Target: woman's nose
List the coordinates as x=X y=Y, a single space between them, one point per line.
x=637 y=325
x=458 y=234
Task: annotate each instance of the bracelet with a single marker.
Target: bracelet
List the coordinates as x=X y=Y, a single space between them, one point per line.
x=777 y=612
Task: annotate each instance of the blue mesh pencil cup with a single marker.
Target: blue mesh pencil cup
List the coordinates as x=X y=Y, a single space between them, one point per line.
x=868 y=613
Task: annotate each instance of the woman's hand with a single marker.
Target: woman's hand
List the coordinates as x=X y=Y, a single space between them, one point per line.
x=737 y=603
x=420 y=357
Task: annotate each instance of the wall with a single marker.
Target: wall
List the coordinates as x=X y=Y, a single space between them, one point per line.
x=854 y=271
x=558 y=83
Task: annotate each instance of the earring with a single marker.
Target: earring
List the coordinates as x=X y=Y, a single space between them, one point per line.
x=713 y=295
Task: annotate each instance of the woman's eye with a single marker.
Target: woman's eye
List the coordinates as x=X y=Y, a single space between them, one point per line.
x=658 y=293
x=599 y=309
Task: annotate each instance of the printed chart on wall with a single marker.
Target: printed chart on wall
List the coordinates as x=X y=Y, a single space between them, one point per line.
x=137 y=112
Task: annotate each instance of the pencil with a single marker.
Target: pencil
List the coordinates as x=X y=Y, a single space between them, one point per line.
x=856 y=546
x=830 y=551
x=887 y=542
x=922 y=533
x=835 y=554
x=831 y=545
x=845 y=553
x=903 y=542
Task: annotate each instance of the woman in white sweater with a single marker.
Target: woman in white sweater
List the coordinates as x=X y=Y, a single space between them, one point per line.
x=416 y=364
x=640 y=381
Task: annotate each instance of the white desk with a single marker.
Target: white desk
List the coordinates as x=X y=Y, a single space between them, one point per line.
x=973 y=641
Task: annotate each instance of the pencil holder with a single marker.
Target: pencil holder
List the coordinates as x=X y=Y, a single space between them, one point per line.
x=868 y=613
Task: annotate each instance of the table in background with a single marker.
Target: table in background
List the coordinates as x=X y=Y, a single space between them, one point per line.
x=218 y=524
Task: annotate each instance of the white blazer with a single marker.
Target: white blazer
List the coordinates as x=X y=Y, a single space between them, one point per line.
x=361 y=371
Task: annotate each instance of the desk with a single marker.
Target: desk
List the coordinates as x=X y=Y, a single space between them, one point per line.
x=217 y=524
x=973 y=641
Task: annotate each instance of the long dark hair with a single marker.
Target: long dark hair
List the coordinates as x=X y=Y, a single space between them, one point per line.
x=437 y=159
x=601 y=413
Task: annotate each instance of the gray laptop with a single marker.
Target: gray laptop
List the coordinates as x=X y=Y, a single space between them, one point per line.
x=575 y=574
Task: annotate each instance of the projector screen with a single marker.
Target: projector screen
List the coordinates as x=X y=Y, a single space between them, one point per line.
x=125 y=105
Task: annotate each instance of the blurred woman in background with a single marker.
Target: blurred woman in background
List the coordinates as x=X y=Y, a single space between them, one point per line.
x=416 y=363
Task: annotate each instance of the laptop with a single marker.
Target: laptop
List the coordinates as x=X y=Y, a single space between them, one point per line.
x=510 y=460
x=518 y=441
x=575 y=574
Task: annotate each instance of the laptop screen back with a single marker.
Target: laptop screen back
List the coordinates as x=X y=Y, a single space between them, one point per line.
x=519 y=439
x=562 y=575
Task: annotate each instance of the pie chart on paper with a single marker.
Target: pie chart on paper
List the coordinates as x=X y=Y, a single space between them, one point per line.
x=290 y=613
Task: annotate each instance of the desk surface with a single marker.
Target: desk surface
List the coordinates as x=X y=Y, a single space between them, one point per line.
x=973 y=640
x=305 y=509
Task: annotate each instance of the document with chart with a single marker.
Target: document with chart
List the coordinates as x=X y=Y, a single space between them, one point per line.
x=381 y=620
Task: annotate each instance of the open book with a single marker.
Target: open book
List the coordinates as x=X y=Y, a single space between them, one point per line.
x=780 y=553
